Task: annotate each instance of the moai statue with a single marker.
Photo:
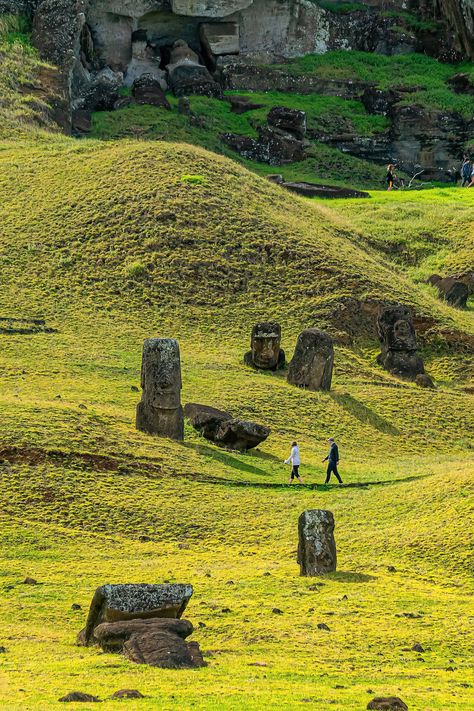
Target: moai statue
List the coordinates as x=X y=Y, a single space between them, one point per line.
x=398 y=338
x=265 y=353
x=159 y=411
x=316 y=544
x=313 y=361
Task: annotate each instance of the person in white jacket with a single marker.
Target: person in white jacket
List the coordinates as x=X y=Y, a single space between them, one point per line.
x=294 y=460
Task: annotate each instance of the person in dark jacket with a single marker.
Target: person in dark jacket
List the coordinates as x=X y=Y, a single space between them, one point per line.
x=333 y=460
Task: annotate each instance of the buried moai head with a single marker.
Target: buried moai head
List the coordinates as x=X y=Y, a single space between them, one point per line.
x=159 y=411
x=313 y=361
x=265 y=342
x=398 y=340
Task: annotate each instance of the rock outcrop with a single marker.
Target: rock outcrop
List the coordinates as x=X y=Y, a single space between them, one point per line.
x=265 y=347
x=316 y=544
x=225 y=430
x=313 y=361
x=454 y=291
x=186 y=74
x=159 y=412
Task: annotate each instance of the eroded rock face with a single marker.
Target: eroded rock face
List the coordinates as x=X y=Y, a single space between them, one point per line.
x=265 y=347
x=206 y=419
x=113 y=603
x=160 y=411
x=316 y=543
x=289 y=121
x=186 y=75
x=313 y=361
x=399 y=345
x=209 y=8
x=149 y=90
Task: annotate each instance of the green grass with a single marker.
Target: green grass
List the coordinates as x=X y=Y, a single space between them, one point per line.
x=115 y=241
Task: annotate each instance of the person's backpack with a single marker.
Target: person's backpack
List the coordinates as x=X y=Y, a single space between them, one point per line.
x=466 y=170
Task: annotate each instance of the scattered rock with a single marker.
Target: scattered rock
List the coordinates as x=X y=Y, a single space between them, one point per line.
x=323 y=626
x=3 y=650
x=147 y=90
x=391 y=569
x=423 y=380
x=230 y=582
x=313 y=360
x=265 y=347
x=75 y=606
x=287 y=120
x=78 y=696
x=226 y=609
x=186 y=75
x=144 y=539
x=134 y=389
x=127 y=694
x=184 y=106
x=242 y=104
x=30 y=581
x=125 y=602
x=417 y=647
x=277 y=611
x=258 y=664
x=159 y=412
x=410 y=615
x=316 y=544
x=388 y=703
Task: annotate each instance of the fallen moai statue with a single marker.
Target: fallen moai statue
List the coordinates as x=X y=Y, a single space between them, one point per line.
x=143 y=622
x=316 y=544
x=221 y=428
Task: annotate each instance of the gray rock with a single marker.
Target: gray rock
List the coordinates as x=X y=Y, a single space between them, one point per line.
x=148 y=90
x=186 y=75
x=241 y=435
x=220 y=38
x=205 y=419
x=316 y=544
x=313 y=361
x=398 y=340
x=160 y=411
x=134 y=601
x=387 y=703
x=79 y=696
x=290 y=121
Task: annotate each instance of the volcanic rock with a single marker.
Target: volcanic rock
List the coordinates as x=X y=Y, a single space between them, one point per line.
x=147 y=90
x=313 y=361
x=389 y=703
x=316 y=544
x=454 y=291
x=77 y=696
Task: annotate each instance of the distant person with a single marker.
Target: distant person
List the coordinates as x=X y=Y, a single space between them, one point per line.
x=294 y=460
x=333 y=460
x=466 y=170
x=390 y=176
x=471 y=184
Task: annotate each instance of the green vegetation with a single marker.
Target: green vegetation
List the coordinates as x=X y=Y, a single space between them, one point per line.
x=115 y=241
x=341 y=8
x=417 y=24
x=418 y=71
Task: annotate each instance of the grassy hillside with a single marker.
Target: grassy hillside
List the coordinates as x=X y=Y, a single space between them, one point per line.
x=112 y=242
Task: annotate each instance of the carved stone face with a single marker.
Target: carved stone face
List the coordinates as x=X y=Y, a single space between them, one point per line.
x=161 y=373
x=403 y=337
x=265 y=344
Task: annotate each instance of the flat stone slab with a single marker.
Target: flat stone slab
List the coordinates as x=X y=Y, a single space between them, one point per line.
x=112 y=603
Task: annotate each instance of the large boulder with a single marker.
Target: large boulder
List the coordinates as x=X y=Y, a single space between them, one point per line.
x=147 y=89
x=290 y=121
x=186 y=75
x=112 y=603
x=103 y=91
x=387 y=703
x=454 y=291
x=206 y=419
x=313 y=361
x=316 y=544
x=156 y=642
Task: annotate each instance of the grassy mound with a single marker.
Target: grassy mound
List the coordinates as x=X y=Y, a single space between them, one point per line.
x=112 y=242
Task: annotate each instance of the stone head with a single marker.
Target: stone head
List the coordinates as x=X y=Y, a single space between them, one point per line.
x=161 y=373
x=396 y=329
x=265 y=344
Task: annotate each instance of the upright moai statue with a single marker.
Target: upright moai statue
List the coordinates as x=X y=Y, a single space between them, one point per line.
x=398 y=341
x=265 y=342
x=159 y=412
x=316 y=544
x=313 y=361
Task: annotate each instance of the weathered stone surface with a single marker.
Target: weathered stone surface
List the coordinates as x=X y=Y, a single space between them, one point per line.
x=290 y=121
x=102 y=93
x=112 y=635
x=316 y=544
x=272 y=146
x=265 y=347
x=209 y=8
x=205 y=419
x=81 y=122
x=148 y=90
x=186 y=75
x=160 y=411
x=398 y=339
x=144 y=61
x=220 y=38
x=423 y=380
x=322 y=191
x=454 y=291
x=79 y=696
x=387 y=703
x=129 y=601
x=241 y=435
x=242 y=104
x=163 y=649
x=312 y=363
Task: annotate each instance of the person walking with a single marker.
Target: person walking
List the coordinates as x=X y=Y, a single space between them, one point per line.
x=466 y=173
x=471 y=184
x=390 y=176
x=294 y=460
x=333 y=460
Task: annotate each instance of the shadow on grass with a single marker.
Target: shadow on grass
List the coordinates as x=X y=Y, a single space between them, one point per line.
x=347 y=576
x=364 y=414
x=226 y=458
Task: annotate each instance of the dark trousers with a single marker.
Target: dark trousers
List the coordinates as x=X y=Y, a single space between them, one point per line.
x=294 y=472
x=332 y=469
